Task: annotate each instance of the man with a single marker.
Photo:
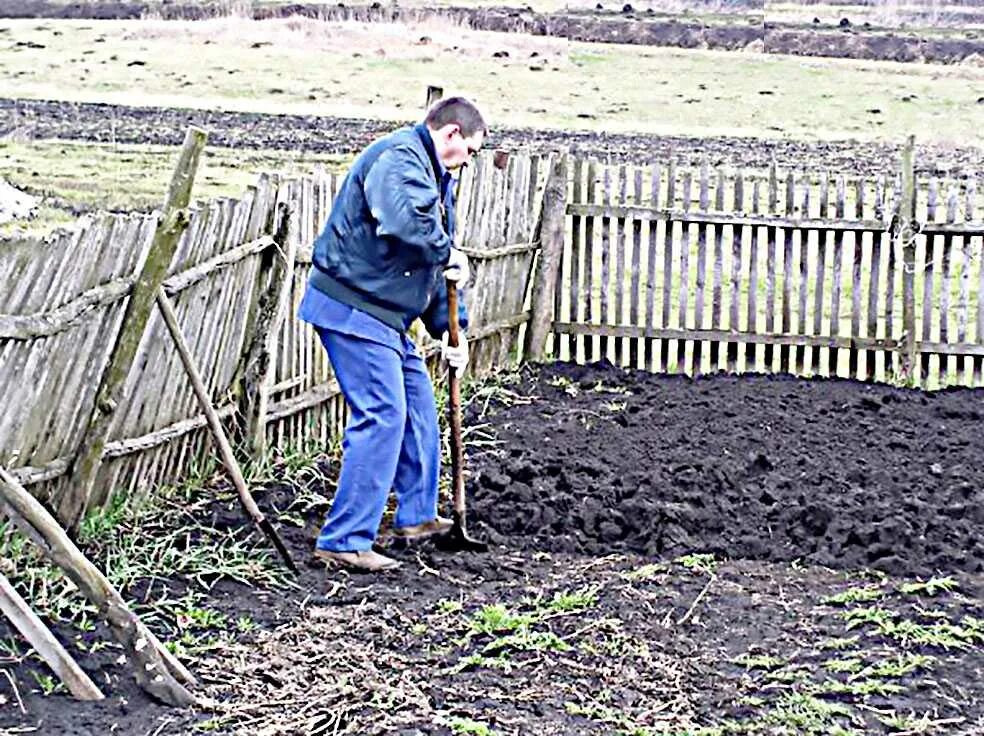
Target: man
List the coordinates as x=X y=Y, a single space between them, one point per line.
x=379 y=264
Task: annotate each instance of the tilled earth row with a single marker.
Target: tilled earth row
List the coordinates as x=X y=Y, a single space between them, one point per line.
x=166 y=126
x=827 y=471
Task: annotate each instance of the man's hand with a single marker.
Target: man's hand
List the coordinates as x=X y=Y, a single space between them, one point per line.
x=457 y=357
x=457 y=269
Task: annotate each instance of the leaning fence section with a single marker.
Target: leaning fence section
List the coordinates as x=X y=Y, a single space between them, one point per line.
x=62 y=311
x=694 y=271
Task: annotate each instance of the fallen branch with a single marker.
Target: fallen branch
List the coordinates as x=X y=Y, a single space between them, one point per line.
x=145 y=654
x=45 y=644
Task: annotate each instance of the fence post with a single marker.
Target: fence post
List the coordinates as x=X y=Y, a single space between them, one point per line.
x=255 y=389
x=547 y=273
x=904 y=236
x=170 y=226
x=433 y=95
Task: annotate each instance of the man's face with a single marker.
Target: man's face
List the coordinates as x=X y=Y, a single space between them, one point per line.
x=454 y=149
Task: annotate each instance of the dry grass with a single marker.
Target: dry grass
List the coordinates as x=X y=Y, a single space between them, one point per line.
x=422 y=41
x=380 y=71
x=882 y=13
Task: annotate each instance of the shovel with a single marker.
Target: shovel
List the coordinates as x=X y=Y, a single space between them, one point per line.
x=457 y=538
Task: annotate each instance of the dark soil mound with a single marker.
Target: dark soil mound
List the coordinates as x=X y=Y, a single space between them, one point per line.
x=833 y=472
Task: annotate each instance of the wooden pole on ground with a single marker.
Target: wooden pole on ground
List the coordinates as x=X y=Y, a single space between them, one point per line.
x=45 y=644
x=225 y=449
x=172 y=223
x=552 y=227
x=154 y=668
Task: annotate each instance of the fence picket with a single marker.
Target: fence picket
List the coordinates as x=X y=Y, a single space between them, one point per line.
x=636 y=268
x=664 y=354
x=702 y=229
x=770 y=269
x=716 y=321
x=736 y=248
x=833 y=361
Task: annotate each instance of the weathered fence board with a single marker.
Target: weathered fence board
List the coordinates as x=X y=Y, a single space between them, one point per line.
x=59 y=320
x=806 y=267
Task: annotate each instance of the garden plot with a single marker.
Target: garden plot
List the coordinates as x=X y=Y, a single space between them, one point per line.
x=721 y=556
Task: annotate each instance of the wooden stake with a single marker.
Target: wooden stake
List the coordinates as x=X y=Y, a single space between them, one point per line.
x=38 y=636
x=548 y=266
x=153 y=671
x=172 y=223
x=225 y=449
x=433 y=95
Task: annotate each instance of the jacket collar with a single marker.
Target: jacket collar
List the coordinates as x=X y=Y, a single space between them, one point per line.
x=440 y=173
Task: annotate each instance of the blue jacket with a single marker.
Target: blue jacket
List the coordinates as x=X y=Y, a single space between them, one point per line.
x=387 y=240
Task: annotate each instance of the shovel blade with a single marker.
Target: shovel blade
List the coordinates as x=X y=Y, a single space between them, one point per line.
x=458 y=540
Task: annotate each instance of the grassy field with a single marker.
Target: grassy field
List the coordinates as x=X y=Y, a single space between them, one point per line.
x=307 y=66
x=74 y=178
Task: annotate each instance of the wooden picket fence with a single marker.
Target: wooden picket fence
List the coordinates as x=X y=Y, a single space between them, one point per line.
x=63 y=302
x=668 y=270
x=698 y=271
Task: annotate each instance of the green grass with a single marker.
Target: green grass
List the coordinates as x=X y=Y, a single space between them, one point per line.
x=76 y=178
x=141 y=540
x=575 y=85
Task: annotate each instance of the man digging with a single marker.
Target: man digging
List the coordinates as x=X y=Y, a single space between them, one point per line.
x=380 y=263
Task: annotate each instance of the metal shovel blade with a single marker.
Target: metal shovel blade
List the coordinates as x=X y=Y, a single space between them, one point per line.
x=458 y=539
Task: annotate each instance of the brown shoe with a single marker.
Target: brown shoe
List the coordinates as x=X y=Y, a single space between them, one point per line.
x=440 y=525
x=367 y=561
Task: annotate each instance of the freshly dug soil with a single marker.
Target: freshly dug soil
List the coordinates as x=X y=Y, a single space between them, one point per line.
x=602 y=483
x=831 y=472
x=166 y=126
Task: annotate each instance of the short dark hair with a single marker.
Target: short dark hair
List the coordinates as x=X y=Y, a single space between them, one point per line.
x=456 y=111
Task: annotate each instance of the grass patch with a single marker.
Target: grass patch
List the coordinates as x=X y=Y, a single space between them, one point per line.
x=140 y=541
x=931 y=587
x=496 y=618
x=75 y=178
x=568 y=85
x=862 y=594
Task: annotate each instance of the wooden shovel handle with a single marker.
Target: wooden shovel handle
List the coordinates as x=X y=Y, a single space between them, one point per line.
x=454 y=407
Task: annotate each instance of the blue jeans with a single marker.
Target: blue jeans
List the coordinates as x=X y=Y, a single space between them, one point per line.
x=392 y=440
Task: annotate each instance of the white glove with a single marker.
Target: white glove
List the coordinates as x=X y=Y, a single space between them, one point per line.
x=457 y=269
x=457 y=357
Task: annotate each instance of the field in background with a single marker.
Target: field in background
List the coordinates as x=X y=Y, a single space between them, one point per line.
x=883 y=13
x=308 y=67
x=305 y=66
x=76 y=178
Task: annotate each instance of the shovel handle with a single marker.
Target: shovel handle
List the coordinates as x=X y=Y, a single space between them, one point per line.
x=454 y=410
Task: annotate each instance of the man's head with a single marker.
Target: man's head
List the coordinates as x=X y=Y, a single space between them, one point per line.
x=458 y=130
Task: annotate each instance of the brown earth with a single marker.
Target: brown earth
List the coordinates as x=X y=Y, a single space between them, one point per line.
x=664 y=552
x=46 y=119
